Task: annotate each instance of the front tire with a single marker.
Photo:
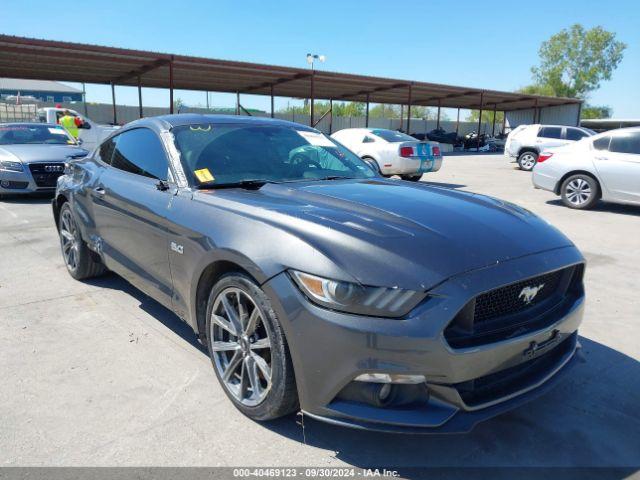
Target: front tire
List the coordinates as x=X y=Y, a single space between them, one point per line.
x=527 y=160
x=248 y=349
x=77 y=257
x=580 y=191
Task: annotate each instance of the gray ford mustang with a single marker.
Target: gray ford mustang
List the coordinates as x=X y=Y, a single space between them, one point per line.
x=317 y=284
x=32 y=156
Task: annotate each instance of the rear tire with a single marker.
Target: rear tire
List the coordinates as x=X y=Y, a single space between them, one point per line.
x=411 y=178
x=78 y=259
x=580 y=191
x=527 y=160
x=373 y=164
x=248 y=349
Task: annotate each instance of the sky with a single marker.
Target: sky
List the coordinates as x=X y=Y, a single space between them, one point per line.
x=491 y=44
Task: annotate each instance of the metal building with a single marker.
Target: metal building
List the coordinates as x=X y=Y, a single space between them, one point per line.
x=41 y=90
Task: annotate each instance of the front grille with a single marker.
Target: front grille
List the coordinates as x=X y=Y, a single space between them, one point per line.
x=516 y=309
x=517 y=378
x=511 y=299
x=46 y=174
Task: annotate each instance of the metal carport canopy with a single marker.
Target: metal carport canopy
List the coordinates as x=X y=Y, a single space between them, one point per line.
x=52 y=60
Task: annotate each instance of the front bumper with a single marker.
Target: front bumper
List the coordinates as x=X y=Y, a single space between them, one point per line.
x=26 y=182
x=330 y=349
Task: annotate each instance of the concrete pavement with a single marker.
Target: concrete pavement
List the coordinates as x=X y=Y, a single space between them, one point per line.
x=98 y=374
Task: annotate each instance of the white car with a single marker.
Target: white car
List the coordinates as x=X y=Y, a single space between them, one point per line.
x=391 y=152
x=525 y=143
x=605 y=166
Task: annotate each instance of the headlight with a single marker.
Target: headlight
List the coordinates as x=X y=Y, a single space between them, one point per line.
x=12 y=166
x=355 y=298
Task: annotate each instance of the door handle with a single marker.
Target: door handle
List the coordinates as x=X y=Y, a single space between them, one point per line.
x=602 y=158
x=99 y=191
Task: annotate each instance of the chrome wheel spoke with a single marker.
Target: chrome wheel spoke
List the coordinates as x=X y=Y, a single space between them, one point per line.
x=242 y=313
x=224 y=346
x=252 y=322
x=263 y=366
x=251 y=369
x=232 y=366
x=232 y=314
x=223 y=323
x=261 y=343
x=66 y=236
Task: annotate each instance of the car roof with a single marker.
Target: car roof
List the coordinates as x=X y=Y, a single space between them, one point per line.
x=181 y=119
x=617 y=130
x=553 y=125
x=356 y=130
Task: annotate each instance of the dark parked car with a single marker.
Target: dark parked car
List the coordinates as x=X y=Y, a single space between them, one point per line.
x=317 y=284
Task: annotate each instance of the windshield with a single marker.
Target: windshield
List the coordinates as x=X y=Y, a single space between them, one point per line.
x=28 y=134
x=392 y=136
x=225 y=154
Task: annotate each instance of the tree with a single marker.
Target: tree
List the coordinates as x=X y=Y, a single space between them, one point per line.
x=595 y=111
x=178 y=104
x=574 y=61
x=487 y=117
x=340 y=109
x=538 y=90
x=384 y=111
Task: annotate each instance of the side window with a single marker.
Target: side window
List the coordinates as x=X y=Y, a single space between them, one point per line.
x=575 y=134
x=550 y=132
x=105 y=152
x=602 y=143
x=625 y=143
x=368 y=139
x=139 y=151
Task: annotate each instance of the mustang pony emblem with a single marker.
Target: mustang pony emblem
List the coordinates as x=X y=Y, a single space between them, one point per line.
x=529 y=293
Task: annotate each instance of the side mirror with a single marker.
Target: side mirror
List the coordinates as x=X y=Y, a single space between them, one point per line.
x=79 y=141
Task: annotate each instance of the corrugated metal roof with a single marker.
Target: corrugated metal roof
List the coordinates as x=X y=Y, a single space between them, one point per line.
x=45 y=59
x=35 y=85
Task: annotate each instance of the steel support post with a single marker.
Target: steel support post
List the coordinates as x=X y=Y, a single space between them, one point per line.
x=140 y=115
x=113 y=103
x=366 y=117
x=171 y=85
x=479 y=122
x=409 y=111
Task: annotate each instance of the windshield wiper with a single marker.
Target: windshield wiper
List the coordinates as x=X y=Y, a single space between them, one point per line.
x=334 y=177
x=252 y=184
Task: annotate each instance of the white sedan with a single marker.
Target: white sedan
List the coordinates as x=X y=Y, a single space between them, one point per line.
x=605 y=166
x=391 y=152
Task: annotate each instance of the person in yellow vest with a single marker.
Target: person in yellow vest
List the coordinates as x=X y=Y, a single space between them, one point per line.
x=70 y=123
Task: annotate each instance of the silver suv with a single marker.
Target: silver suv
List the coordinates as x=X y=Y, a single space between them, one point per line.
x=525 y=143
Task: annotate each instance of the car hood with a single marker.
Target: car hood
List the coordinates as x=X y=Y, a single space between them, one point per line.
x=42 y=152
x=395 y=233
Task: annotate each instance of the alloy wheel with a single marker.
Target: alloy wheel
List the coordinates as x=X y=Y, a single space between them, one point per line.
x=528 y=161
x=578 y=191
x=69 y=240
x=241 y=346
